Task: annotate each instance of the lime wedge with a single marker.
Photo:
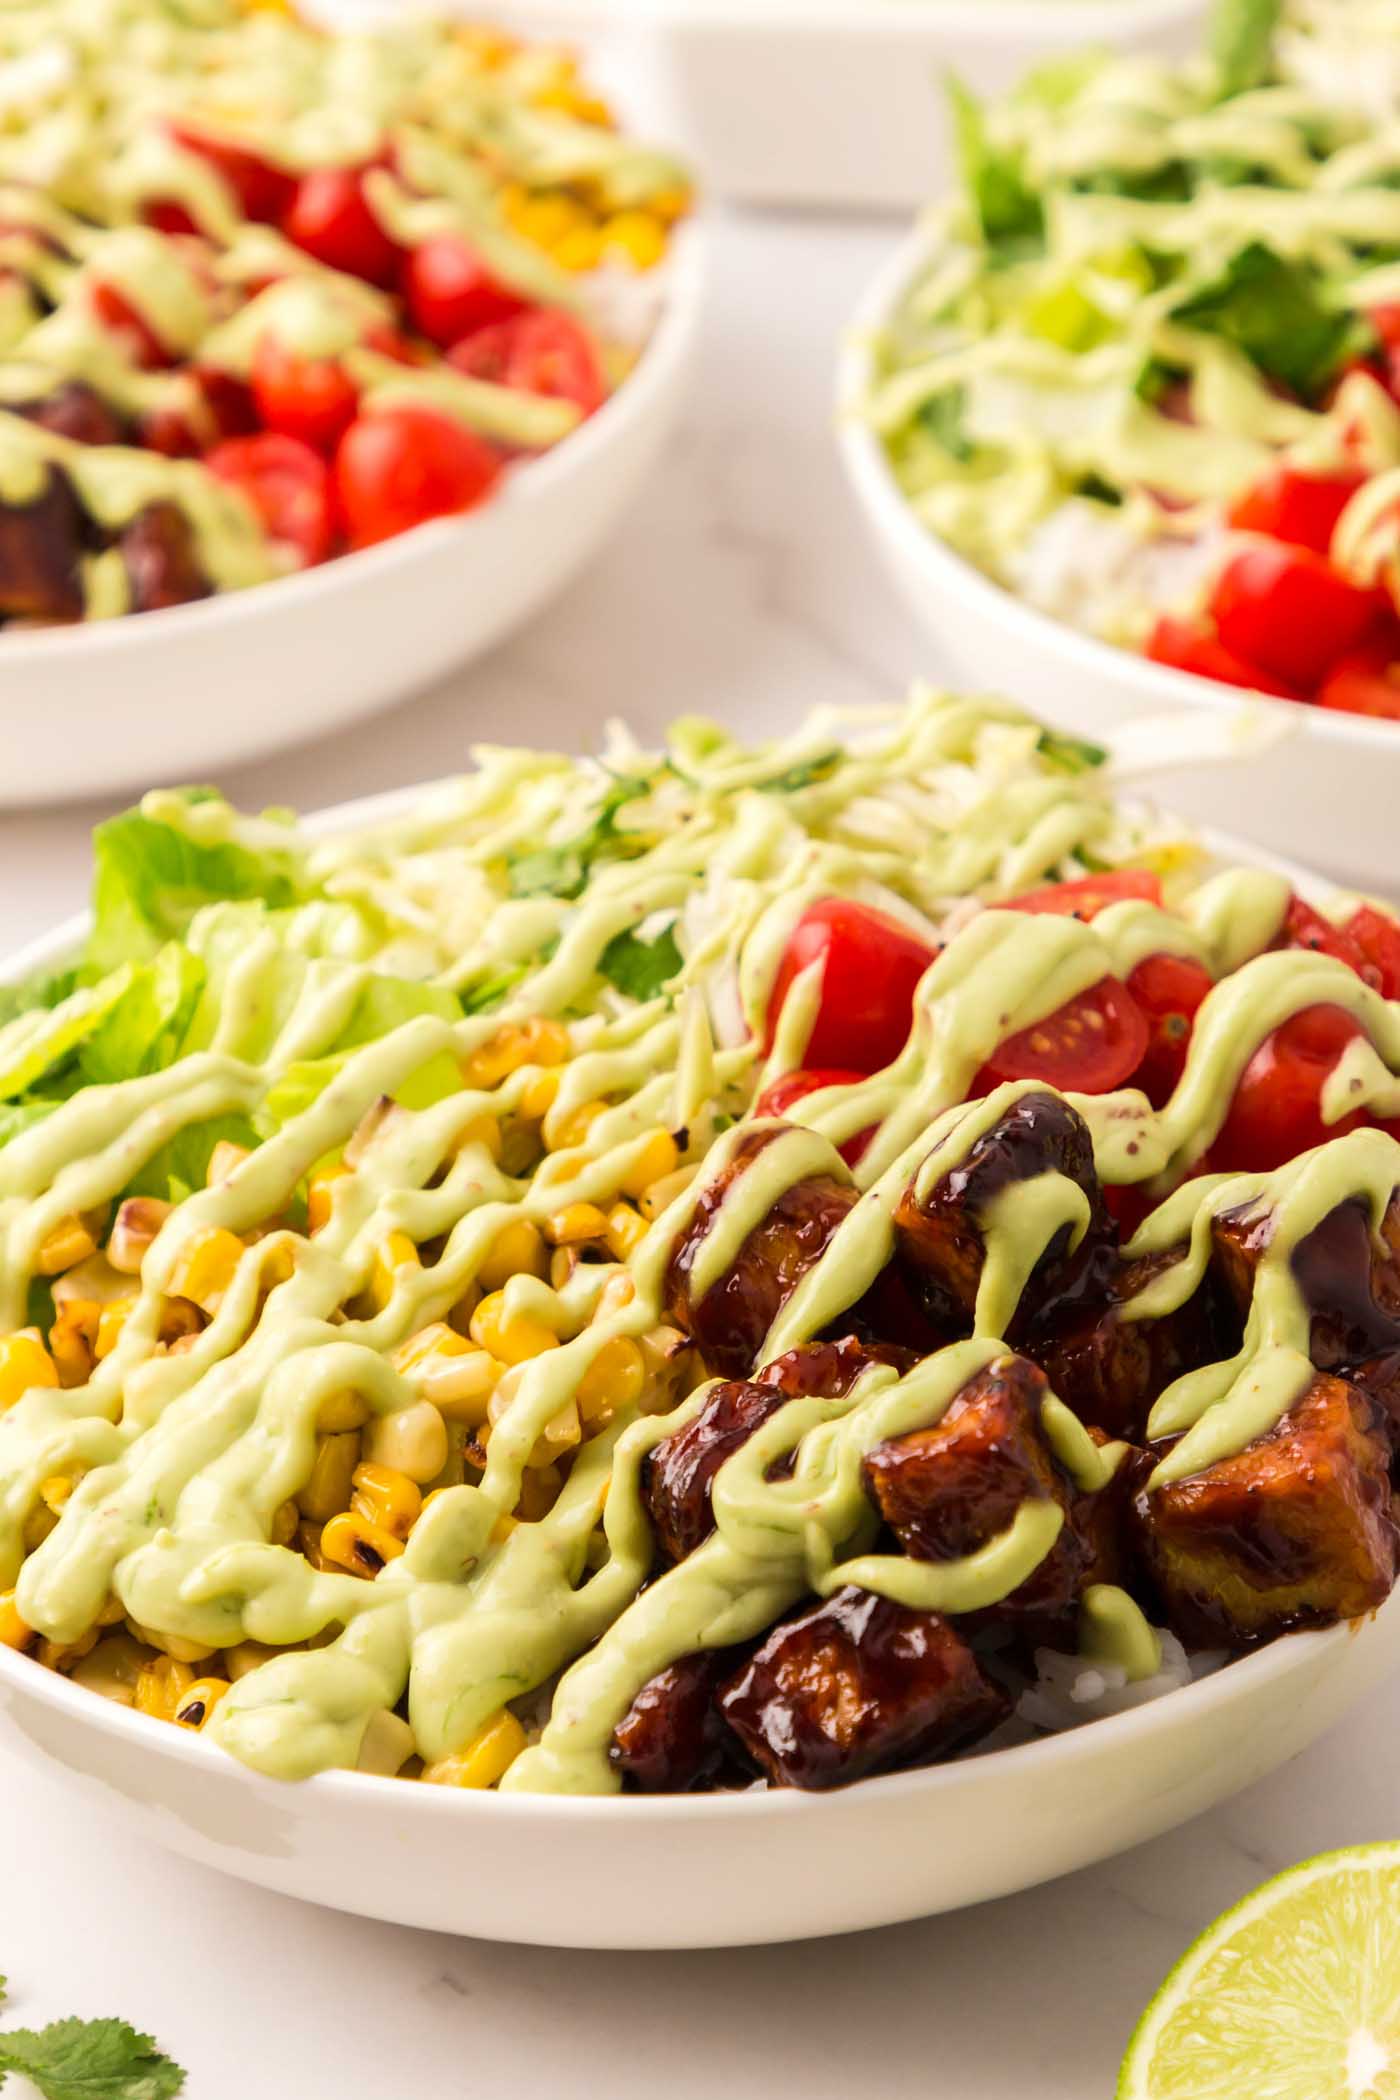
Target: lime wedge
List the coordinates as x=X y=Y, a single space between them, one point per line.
x=1292 y=1995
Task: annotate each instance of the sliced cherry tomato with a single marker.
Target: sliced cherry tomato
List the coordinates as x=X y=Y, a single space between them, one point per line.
x=871 y=966
x=1306 y=929
x=793 y=1087
x=1367 y=682
x=1291 y=612
x=1183 y=645
x=1169 y=990
x=450 y=292
x=1386 y=322
x=1377 y=935
x=263 y=190
x=1301 y=509
x=228 y=411
x=288 y=485
x=397 y=467
x=329 y=216
x=115 y=311
x=1088 y=895
x=541 y=352
x=1276 y=1112
x=169 y=217
x=311 y=398
x=1094 y=1043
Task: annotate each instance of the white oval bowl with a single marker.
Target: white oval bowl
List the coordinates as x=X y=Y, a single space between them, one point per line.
x=1311 y=781
x=718 y=1870
x=174 y=695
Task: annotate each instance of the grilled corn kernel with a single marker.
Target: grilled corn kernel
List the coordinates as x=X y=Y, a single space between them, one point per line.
x=320 y=1196
x=411 y=1440
x=350 y=1542
x=137 y=1223
x=327 y=1491
x=55 y=1491
x=562 y=1263
x=626 y=1230
x=61 y=1655
x=387 y=1498
x=635 y=237
x=111 y=1321
x=161 y=1686
x=285 y=1519
x=172 y=1644
x=13 y=1631
x=657 y=1158
x=517 y=1250
x=340 y=1411
x=613 y=1380
x=24 y=1364
x=112 y=1668
x=581 y=248
x=577 y=1222
x=654 y=1200
x=112 y=1612
x=510 y=1337
x=308 y=1544
x=386 y=1745
x=70 y=1242
x=195 y=1705
x=224 y=1161
x=539 y=1491
x=485 y=1759
x=482 y=1130
x=205 y=1267
x=382 y=1116
x=92 y=1282
x=537 y=1096
x=71 y=1340
x=448 y=1370
x=573 y=1128
x=398 y=1252
x=246 y=1656
x=545 y=218
x=619 y=1291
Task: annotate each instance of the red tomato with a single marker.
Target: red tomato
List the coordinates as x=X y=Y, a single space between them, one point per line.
x=1093 y=1044
x=541 y=352
x=1169 y=989
x=1087 y=896
x=288 y=485
x=229 y=411
x=330 y=218
x=1290 y=611
x=1367 y=682
x=1184 y=646
x=871 y=965
x=1386 y=322
x=1301 y=509
x=1307 y=929
x=398 y=467
x=1377 y=935
x=450 y=292
x=311 y=398
x=115 y=311
x=169 y=217
x=263 y=190
x=1275 y=1112
x=793 y=1087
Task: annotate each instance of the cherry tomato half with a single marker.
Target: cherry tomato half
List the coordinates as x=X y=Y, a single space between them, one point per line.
x=450 y=292
x=1094 y=1043
x=1275 y=1113
x=1290 y=611
x=793 y=1087
x=310 y=398
x=1306 y=929
x=116 y=312
x=1183 y=645
x=1367 y=682
x=1300 y=509
x=1169 y=989
x=1088 y=895
x=263 y=190
x=329 y=216
x=1377 y=935
x=397 y=467
x=541 y=352
x=871 y=966
x=288 y=485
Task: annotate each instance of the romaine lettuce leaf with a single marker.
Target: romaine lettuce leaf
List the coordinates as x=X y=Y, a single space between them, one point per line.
x=1008 y=210
x=151 y=880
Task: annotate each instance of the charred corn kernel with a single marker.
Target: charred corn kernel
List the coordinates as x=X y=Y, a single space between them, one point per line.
x=657 y=1158
x=225 y=1160
x=61 y=1655
x=573 y=1128
x=195 y=1706
x=24 y=1364
x=13 y=1631
x=205 y=1267
x=449 y=1371
x=544 y=218
x=161 y=1686
x=485 y=1759
x=320 y=1196
x=613 y=1380
x=308 y=1544
x=474 y=1451
x=55 y=1491
x=37 y=1526
x=562 y=1263
x=576 y=1222
x=398 y=1252
x=517 y=1250
x=246 y=1656
x=655 y=1199
x=71 y=1340
x=671 y=204
x=626 y=1230
x=537 y=1096
x=112 y=1668
x=171 y=1644
x=581 y=248
x=92 y=1282
x=327 y=1491
x=110 y=1324
x=636 y=237
x=375 y=1121
x=539 y=1491
x=279 y=1264
x=285 y=1519
x=502 y=1529
x=560 y=1433
x=536 y=1042
x=340 y=1411
x=137 y=1223
x=388 y=1498
x=510 y=1337
x=349 y=1542
x=70 y=1242
x=112 y=1612
x=482 y=1130
x=411 y=1440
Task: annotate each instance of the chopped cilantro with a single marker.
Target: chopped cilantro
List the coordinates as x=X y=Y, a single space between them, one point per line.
x=90 y=2060
x=1274 y=311
x=640 y=968
x=562 y=871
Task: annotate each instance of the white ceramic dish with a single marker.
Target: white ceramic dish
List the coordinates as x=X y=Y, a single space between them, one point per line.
x=731 y=1870
x=1305 y=780
x=176 y=695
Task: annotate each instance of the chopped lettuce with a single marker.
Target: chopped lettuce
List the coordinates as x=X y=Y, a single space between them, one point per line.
x=1242 y=42
x=1275 y=312
x=1008 y=210
x=144 y=1030
x=151 y=879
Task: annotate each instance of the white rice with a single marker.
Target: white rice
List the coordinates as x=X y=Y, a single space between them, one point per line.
x=1082 y=565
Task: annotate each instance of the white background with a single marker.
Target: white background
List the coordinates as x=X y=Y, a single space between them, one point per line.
x=741 y=587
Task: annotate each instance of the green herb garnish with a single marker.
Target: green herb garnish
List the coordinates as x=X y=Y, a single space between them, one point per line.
x=640 y=968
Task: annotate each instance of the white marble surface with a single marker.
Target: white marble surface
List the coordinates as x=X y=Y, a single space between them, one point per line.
x=741 y=586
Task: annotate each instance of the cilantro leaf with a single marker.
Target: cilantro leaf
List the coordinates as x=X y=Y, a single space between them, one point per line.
x=90 y=2060
x=1008 y=210
x=1241 y=42
x=942 y=416
x=1274 y=311
x=640 y=968
x=562 y=871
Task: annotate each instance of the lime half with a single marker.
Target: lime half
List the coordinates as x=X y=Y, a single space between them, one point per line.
x=1292 y=1995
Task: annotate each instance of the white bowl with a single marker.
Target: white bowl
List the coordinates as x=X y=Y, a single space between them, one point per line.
x=715 y=1870
x=174 y=695
x=1304 y=780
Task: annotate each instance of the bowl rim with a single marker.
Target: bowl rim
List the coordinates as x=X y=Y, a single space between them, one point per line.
x=529 y=485
x=949 y=573
x=1069 y=23
x=1235 y=1680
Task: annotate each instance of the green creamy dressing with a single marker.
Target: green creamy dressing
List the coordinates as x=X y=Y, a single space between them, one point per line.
x=189 y=1457
x=1036 y=364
